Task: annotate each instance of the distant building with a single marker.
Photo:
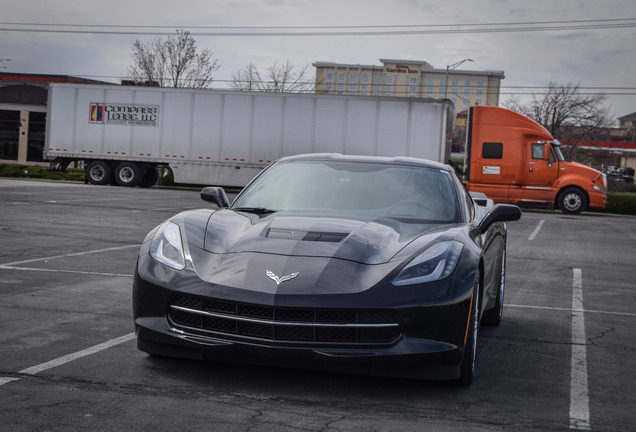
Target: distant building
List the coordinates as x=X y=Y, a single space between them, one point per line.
x=628 y=122
x=408 y=78
x=23 y=99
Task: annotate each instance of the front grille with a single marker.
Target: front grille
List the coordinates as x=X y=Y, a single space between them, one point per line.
x=283 y=324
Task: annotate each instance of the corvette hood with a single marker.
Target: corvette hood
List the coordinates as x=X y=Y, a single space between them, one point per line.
x=363 y=241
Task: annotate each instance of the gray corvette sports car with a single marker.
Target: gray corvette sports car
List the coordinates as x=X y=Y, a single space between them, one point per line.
x=373 y=265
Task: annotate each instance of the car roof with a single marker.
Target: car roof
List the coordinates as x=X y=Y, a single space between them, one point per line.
x=400 y=160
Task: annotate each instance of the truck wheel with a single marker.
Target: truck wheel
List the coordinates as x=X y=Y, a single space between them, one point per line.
x=128 y=174
x=150 y=178
x=572 y=201
x=98 y=173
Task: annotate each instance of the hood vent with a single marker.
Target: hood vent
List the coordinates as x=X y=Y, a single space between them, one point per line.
x=317 y=236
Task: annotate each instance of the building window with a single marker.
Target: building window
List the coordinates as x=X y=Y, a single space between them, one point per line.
x=480 y=83
x=442 y=82
x=376 y=88
x=442 y=91
x=341 y=77
x=466 y=92
x=413 y=80
x=467 y=83
x=480 y=93
x=329 y=76
x=431 y=81
x=365 y=78
x=328 y=86
x=340 y=86
x=377 y=78
x=365 y=87
x=389 y=80
x=352 y=87
x=455 y=83
x=479 y=102
x=428 y=90
x=387 y=88
x=353 y=77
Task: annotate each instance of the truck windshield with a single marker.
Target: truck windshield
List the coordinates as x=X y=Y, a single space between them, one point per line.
x=557 y=152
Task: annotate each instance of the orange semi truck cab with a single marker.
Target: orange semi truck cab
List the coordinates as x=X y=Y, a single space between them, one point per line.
x=515 y=160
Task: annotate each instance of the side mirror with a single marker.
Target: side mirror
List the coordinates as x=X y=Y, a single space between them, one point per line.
x=215 y=195
x=499 y=213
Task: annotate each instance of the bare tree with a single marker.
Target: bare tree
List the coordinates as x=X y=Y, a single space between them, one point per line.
x=278 y=77
x=567 y=113
x=173 y=62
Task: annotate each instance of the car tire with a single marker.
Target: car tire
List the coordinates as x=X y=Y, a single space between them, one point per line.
x=572 y=201
x=128 y=174
x=492 y=317
x=467 y=367
x=99 y=173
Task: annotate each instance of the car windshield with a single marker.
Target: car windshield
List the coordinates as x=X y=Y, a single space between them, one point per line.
x=353 y=189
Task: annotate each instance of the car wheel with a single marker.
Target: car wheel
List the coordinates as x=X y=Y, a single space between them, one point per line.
x=467 y=367
x=98 y=173
x=128 y=174
x=572 y=201
x=492 y=317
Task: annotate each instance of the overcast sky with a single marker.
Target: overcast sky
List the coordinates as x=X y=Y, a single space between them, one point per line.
x=592 y=56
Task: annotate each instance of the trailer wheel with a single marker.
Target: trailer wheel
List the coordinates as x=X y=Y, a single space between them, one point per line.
x=98 y=173
x=128 y=174
x=572 y=201
x=150 y=177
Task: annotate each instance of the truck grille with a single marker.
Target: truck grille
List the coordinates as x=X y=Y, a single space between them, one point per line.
x=282 y=324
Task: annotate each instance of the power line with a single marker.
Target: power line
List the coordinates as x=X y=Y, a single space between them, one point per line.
x=379 y=30
x=321 y=27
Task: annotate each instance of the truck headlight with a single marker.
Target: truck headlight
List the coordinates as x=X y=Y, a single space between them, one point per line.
x=167 y=246
x=598 y=188
x=436 y=262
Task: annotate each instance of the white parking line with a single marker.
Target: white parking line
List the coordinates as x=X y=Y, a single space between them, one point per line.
x=579 y=393
x=588 y=311
x=536 y=230
x=6 y=267
x=70 y=357
x=15 y=263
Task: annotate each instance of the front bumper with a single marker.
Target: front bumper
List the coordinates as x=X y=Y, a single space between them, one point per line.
x=425 y=341
x=597 y=199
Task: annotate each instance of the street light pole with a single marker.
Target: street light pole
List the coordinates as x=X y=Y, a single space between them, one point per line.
x=450 y=68
x=6 y=59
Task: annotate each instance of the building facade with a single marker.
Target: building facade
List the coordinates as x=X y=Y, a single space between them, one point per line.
x=407 y=78
x=23 y=99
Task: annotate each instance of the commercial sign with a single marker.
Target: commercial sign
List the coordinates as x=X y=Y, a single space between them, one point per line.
x=400 y=68
x=123 y=114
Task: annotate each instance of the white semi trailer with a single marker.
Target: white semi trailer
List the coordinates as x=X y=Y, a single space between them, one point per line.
x=123 y=134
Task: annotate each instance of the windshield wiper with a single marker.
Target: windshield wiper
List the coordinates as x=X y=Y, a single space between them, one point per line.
x=255 y=210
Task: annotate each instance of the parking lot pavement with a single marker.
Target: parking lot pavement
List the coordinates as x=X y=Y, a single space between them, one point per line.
x=562 y=359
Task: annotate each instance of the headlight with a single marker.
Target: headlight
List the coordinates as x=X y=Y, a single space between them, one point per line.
x=598 y=188
x=436 y=262
x=167 y=247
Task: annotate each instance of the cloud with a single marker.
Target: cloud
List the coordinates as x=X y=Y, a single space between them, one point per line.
x=602 y=57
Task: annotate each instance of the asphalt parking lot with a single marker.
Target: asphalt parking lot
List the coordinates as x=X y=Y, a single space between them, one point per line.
x=562 y=359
